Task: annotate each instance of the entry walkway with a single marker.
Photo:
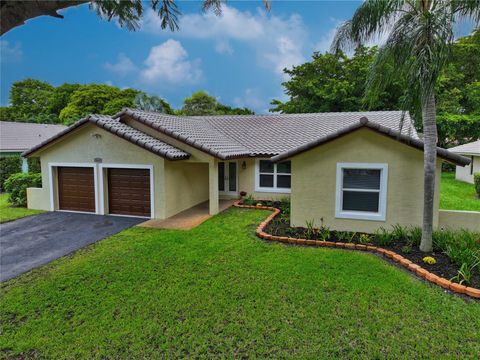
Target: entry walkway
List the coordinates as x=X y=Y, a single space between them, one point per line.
x=187 y=219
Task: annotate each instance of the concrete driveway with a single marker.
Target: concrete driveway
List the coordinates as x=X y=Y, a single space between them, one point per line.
x=36 y=240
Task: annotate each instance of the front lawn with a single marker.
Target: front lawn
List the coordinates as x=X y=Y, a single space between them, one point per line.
x=457 y=195
x=218 y=291
x=9 y=213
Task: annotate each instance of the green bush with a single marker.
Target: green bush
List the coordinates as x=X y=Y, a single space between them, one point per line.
x=476 y=179
x=34 y=165
x=9 y=165
x=16 y=185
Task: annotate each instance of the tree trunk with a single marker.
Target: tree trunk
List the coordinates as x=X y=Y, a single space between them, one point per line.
x=15 y=13
x=430 y=164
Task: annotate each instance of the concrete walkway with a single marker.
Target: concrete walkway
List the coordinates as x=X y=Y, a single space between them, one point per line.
x=36 y=240
x=187 y=219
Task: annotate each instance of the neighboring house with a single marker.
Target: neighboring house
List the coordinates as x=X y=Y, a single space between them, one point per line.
x=471 y=150
x=17 y=137
x=349 y=171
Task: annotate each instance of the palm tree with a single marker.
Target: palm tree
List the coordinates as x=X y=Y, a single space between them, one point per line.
x=419 y=37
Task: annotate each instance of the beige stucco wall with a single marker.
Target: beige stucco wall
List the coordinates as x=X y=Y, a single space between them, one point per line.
x=81 y=146
x=456 y=219
x=37 y=199
x=464 y=173
x=314 y=181
x=186 y=185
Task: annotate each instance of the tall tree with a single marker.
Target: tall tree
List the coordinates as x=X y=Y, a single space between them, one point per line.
x=152 y=103
x=335 y=82
x=420 y=34
x=29 y=99
x=128 y=13
x=200 y=103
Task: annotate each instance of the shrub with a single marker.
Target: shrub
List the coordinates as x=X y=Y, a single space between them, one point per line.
x=9 y=165
x=383 y=236
x=16 y=185
x=34 y=165
x=476 y=180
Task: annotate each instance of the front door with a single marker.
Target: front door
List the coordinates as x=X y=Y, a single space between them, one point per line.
x=227 y=178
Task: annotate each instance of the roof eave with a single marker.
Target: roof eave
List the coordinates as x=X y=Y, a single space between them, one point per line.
x=365 y=123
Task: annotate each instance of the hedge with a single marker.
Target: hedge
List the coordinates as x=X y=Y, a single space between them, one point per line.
x=16 y=185
x=9 y=165
x=476 y=180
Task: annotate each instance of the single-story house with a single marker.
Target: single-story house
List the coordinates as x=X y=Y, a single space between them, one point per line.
x=17 y=137
x=471 y=150
x=349 y=171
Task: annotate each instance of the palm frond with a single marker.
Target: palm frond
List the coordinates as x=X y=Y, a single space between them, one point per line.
x=467 y=9
x=373 y=18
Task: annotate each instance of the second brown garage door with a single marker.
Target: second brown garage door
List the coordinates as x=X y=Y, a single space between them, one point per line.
x=76 y=189
x=129 y=192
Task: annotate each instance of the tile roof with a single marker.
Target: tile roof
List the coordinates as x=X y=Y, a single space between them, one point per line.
x=279 y=135
x=195 y=132
x=124 y=131
x=366 y=123
x=275 y=134
x=18 y=136
x=472 y=148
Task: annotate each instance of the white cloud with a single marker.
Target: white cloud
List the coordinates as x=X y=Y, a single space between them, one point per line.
x=277 y=42
x=252 y=99
x=123 y=66
x=224 y=47
x=10 y=53
x=169 y=62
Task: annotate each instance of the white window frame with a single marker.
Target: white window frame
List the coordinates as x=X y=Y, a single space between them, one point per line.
x=273 y=189
x=53 y=182
x=103 y=166
x=362 y=215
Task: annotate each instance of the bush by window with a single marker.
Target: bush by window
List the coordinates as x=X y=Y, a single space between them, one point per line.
x=9 y=165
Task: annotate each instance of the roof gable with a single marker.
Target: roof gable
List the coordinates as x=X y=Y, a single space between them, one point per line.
x=383 y=130
x=123 y=131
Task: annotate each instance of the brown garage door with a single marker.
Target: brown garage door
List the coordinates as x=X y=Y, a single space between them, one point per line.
x=129 y=191
x=76 y=189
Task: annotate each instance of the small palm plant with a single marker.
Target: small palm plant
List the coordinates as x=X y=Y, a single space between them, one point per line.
x=419 y=37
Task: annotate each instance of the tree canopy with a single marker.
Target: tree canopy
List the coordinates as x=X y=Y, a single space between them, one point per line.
x=128 y=13
x=37 y=101
x=200 y=103
x=336 y=82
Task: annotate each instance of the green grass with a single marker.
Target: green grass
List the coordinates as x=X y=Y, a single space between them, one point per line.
x=218 y=291
x=9 y=213
x=457 y=195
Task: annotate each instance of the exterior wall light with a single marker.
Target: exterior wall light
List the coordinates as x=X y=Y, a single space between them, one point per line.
x=244 y=165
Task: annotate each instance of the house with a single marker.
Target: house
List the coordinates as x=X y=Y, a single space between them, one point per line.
x=471 y=150
x=17 y=137
x=349 y=171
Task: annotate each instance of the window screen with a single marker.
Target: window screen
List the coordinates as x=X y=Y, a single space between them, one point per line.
x=361 y=190
x=274 y=176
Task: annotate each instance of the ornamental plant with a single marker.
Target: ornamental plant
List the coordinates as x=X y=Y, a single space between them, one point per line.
x=476 y=180
x=429 y=260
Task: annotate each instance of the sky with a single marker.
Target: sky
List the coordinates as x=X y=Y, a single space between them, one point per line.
x=237 y=57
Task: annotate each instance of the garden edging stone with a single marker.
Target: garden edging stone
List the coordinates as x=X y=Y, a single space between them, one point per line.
x=407 y=264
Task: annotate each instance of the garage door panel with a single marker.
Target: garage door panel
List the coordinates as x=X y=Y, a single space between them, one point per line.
x=129 y=192
x=76 y=189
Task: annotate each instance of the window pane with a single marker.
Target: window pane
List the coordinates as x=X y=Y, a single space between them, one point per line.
x=283 y=181
x=266 y=166
x=232 y=176
x=360 y=201
x=266 y=180
x=284 y=167
x=221 y=176
x=361 y=179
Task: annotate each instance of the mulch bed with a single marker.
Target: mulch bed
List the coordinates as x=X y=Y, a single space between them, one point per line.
x=443 y=266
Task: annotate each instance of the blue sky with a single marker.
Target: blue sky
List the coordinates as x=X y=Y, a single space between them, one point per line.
x=237 y=57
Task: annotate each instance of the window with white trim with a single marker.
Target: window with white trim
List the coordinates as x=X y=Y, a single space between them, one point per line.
x=273 y=177
x=361 y=191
